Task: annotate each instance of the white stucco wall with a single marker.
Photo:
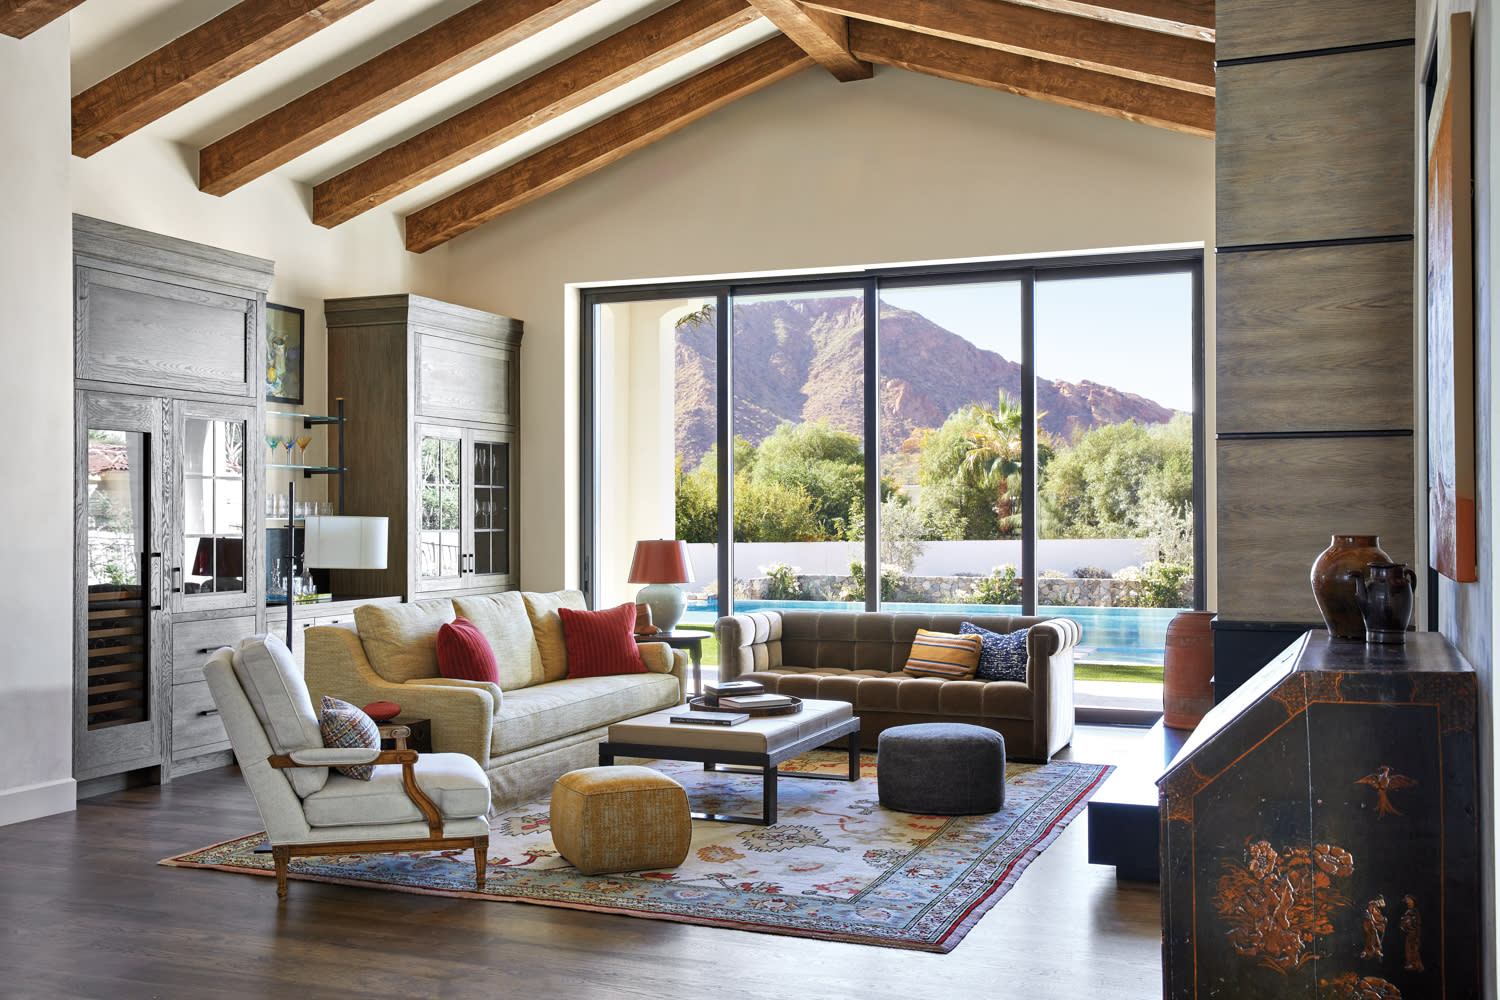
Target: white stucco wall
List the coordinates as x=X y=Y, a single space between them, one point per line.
x=36 y=404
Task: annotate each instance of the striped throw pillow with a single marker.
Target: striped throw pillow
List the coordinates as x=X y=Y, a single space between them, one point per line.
x=943 y=654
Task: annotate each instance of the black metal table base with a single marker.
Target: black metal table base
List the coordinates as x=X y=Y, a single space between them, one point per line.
x=747 y=762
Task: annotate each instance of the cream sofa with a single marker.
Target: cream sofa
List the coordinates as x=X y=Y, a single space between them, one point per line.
x=527 y=731
x=857 y=656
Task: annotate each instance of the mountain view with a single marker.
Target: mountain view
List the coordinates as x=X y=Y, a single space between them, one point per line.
x=801 y=360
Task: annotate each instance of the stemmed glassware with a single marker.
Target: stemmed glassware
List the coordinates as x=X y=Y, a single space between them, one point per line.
x=302 y=443
x=273 y=440
x=287 y=442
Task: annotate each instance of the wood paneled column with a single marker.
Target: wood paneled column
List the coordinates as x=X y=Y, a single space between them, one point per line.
x=1315 y=222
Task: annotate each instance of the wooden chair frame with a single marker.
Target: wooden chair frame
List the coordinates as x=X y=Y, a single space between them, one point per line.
x=282 y=854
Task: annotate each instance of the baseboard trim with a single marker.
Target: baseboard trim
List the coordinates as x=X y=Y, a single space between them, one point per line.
x=17 y=805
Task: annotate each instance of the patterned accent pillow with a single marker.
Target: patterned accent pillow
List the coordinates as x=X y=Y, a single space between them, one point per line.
x=943 y=654
x=345 y=726
x=463 y=653
x=601 y=643
x=1002 y=657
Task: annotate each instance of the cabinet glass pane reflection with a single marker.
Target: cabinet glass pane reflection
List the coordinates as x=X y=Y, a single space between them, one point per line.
x=213 y=506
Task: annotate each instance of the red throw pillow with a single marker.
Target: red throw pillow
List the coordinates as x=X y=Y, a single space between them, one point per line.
x=465 y=654
x=601 y=643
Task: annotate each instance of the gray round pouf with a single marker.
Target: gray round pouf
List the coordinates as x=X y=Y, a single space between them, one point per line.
x=941 y=768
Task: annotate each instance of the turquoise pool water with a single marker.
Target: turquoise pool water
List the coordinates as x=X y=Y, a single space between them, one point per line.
x=1110 y=635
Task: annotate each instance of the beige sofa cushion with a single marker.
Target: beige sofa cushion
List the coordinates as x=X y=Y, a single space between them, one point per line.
x=506 y=625
x=546 y=626
x=400 y=640
x=547 y=712
x=455 y=782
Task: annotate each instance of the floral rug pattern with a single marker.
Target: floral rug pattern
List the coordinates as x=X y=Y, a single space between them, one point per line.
x=835 y=866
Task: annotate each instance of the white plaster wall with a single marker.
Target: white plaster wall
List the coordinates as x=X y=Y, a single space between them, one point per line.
x=812 y=174
x=36 y=404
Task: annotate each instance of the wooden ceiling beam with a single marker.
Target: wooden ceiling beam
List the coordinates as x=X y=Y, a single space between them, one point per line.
x=605 y=142
x=1088 y=43
x=19 y=18
x=422 y=61
x=617 y=60
x=1188 y=18
x=1147 y=103
x=822 y=35
x=243 y=36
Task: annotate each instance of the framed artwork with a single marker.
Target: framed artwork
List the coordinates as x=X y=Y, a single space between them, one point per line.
x=283 y=354
x=1450 y=310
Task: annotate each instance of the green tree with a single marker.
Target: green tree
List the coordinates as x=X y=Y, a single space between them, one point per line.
x=1112 y=476
x=826 y=463
x=992 y=453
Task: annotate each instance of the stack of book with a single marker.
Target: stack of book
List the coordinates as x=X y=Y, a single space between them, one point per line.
x=742 y=702
x=730 y=689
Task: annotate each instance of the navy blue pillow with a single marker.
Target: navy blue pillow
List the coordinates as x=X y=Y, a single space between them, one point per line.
x=1001 y=657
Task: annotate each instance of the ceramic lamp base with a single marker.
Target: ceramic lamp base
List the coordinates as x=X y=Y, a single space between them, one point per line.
x=667 y=604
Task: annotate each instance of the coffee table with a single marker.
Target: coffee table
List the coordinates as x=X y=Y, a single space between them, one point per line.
x=755 y=747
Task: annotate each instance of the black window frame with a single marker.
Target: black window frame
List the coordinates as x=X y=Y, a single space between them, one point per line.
x=1028 y=270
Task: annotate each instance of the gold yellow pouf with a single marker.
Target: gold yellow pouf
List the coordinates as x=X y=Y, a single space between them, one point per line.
x=619 y=819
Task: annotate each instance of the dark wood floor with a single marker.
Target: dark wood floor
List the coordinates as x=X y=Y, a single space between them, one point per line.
x=85 y=911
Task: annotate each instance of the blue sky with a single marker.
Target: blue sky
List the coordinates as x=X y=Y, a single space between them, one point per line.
x=1134 y=333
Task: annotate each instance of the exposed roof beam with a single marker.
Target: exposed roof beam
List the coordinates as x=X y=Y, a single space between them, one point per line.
x=19 y=18
x=604 y=143
x=1149 y=56
x=822 y=35
x=1177 y=110
x=422 y=61
x=218 y=50
x=1188 y=18
x=617 y=60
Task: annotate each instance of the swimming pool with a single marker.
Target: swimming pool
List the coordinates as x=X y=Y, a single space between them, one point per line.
x=1110 y=635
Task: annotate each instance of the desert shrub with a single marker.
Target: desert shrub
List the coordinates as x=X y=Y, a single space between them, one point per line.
x=1000 y=587
x=782 y=583
x=1091 y=573
x=890 y=579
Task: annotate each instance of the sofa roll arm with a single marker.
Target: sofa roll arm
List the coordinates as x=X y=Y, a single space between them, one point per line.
x=1053 y=636
x=660 y=658
x=1049 y=646
x=497 y=697
x=461 y=717
x=748 y=642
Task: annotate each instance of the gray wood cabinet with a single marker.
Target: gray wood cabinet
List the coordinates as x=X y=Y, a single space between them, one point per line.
x=433 y=394
x=169 y=486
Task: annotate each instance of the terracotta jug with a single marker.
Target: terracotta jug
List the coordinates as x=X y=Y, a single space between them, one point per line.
x=1386 y=592
x=1333 y=588
x=1188 y=669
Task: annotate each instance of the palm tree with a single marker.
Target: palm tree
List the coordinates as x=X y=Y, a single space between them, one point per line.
x=992 y=451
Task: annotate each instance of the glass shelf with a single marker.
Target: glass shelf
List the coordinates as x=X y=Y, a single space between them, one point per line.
x=309 y=469
x=308 y=419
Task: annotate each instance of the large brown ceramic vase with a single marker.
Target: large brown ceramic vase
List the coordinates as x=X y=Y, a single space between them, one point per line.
x=1333 y=588
x=1188 y=669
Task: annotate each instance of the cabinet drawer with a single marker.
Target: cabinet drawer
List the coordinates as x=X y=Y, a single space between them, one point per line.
x=192 y=641
x=196 y=725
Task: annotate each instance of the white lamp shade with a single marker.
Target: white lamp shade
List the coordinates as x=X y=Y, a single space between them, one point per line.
x=346 y=542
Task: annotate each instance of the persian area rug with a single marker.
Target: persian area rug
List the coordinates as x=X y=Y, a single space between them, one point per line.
x=836 y=866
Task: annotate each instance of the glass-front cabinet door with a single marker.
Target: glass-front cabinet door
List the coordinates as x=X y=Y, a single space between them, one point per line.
x=492 y=560
x=214 y=538
x=440 y=508
x=464 y=509
x=120 y=684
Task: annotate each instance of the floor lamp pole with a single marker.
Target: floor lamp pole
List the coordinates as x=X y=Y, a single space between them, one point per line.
x=291 y=549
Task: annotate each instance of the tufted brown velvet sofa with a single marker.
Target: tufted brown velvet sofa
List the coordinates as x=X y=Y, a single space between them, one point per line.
x=857 y=656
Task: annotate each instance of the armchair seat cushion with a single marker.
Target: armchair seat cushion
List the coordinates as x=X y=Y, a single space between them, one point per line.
x=455 y=782
x=545 y=712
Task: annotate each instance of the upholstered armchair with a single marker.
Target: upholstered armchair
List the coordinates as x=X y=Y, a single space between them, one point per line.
x=412 y=802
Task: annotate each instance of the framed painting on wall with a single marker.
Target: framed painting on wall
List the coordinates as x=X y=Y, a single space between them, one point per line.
x=1450 y=313
x=284 y=354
